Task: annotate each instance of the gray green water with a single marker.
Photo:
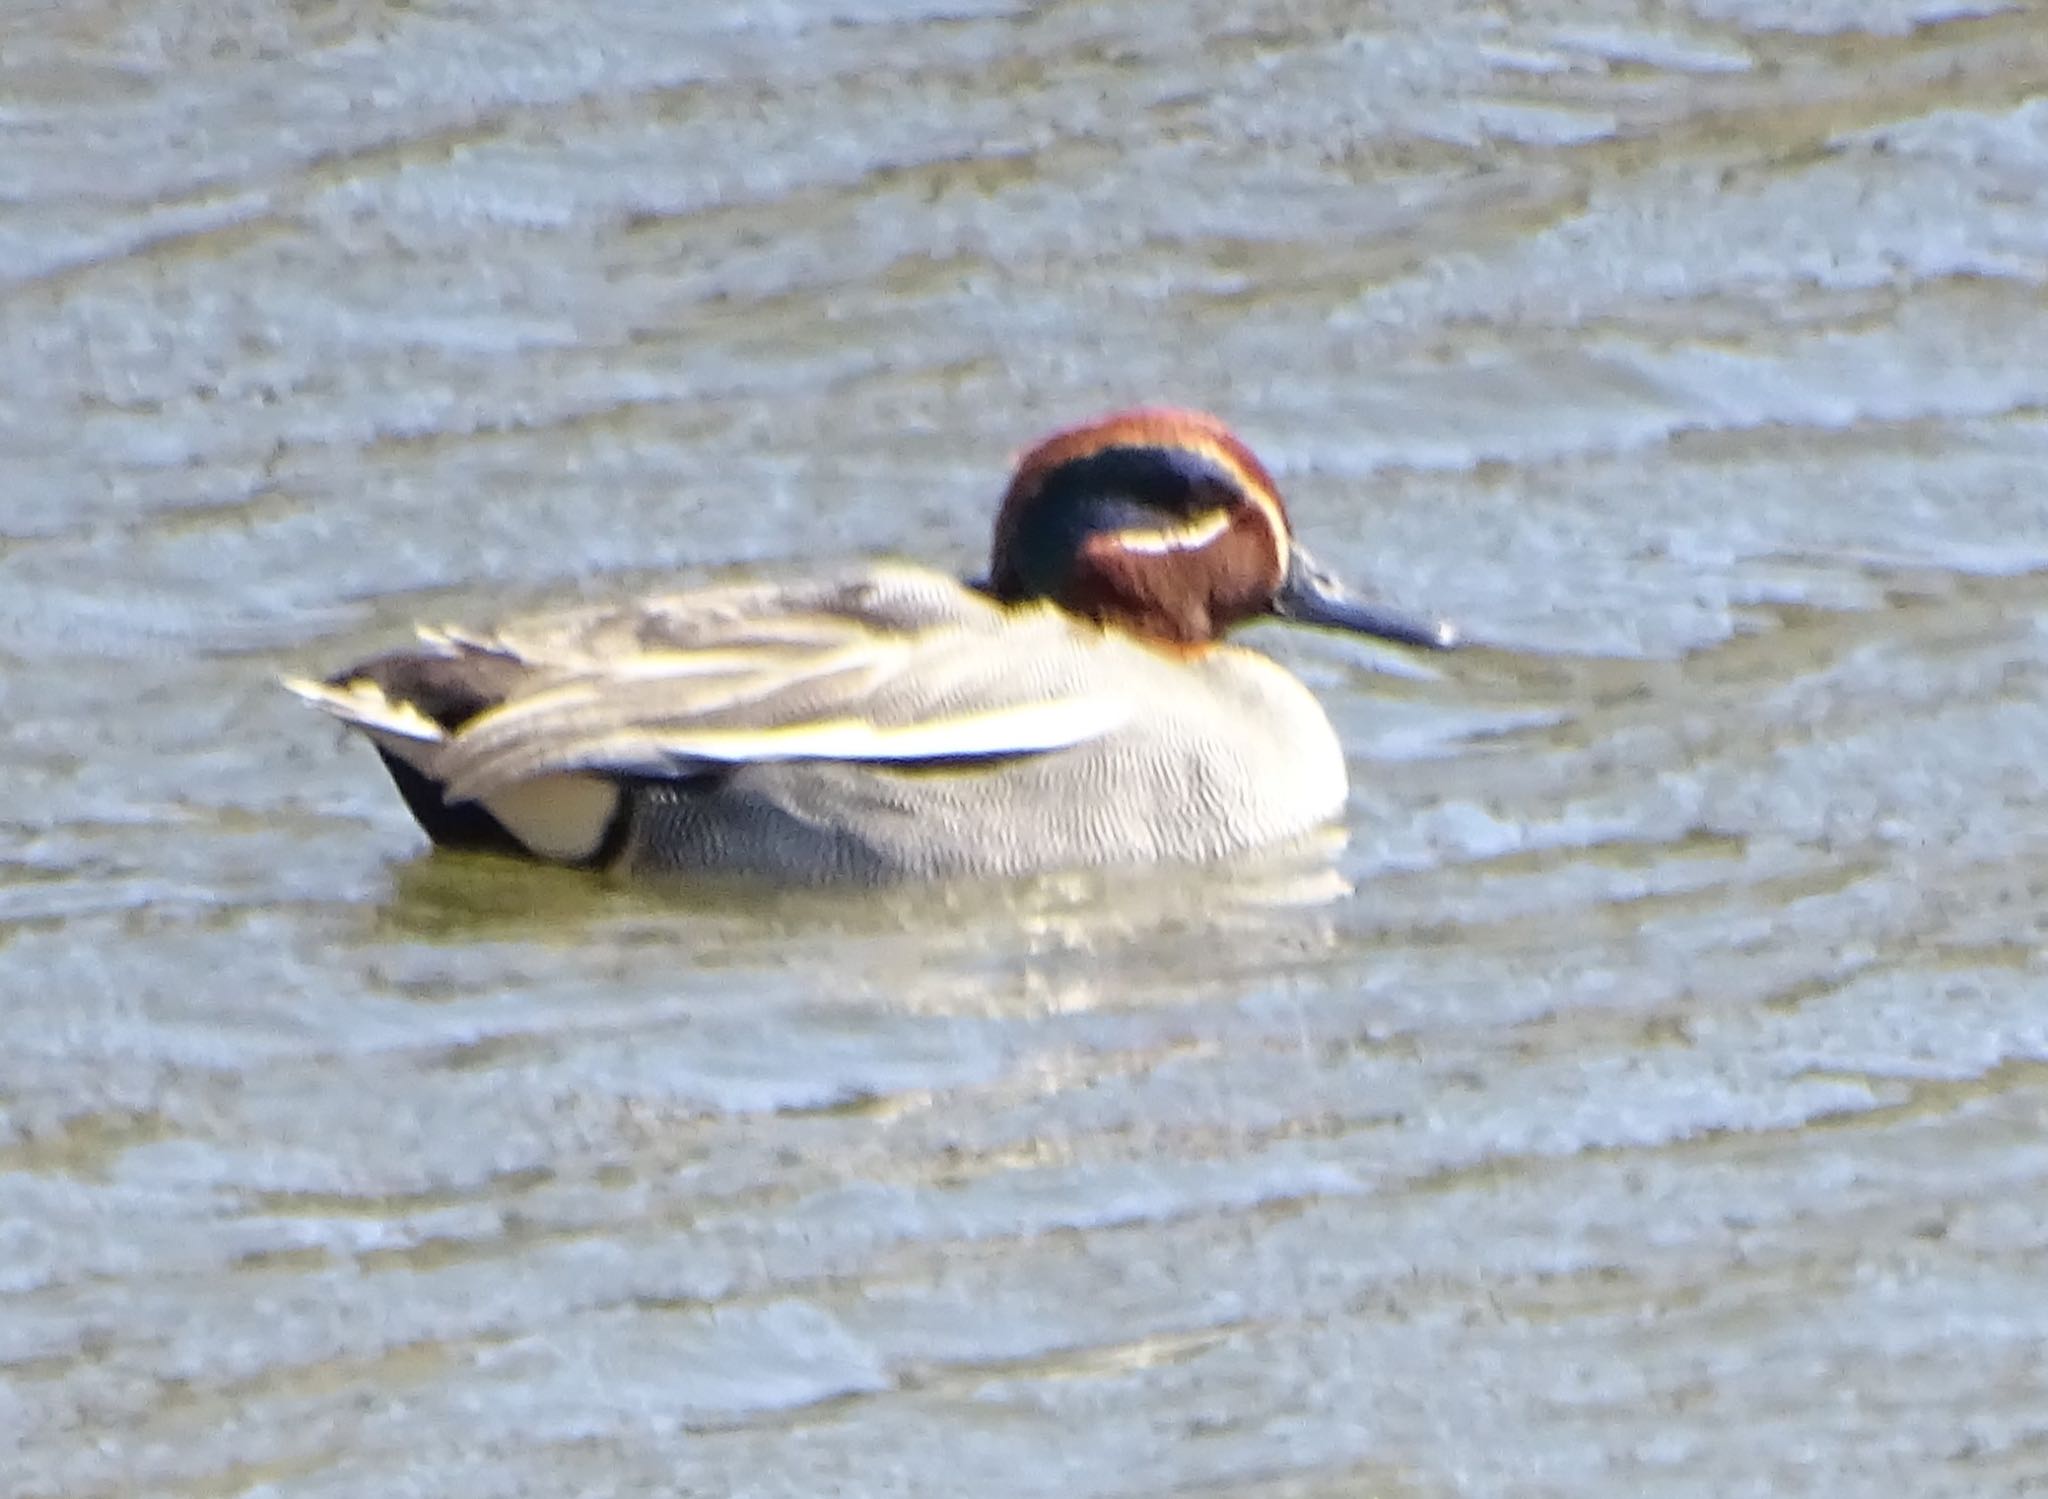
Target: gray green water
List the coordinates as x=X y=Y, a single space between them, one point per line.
x=1651 y=1098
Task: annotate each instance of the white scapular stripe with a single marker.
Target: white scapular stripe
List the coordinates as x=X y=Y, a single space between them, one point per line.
x=1028 y=729
x=1032 y=728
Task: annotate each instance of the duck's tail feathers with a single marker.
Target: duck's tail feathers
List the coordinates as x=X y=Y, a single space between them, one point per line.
x=576 y=819
x=362 y=702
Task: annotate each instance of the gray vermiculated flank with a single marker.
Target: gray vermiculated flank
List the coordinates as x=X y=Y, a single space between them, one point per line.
x=1216 y=755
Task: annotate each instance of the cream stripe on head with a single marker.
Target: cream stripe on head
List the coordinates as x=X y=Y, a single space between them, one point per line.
x=1167 y=428
x=1253 y=487
x=1189 y=535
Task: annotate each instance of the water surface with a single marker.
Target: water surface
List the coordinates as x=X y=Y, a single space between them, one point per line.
x=1648 y=1098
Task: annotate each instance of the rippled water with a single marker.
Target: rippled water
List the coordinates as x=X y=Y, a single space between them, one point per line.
x=1649 y=1098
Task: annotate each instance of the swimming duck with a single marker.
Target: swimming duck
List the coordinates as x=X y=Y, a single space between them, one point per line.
x=883 y=722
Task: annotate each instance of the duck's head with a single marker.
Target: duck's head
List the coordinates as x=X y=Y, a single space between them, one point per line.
x=1161 y=523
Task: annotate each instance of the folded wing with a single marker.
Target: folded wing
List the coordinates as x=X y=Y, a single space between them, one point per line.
x=891 y=665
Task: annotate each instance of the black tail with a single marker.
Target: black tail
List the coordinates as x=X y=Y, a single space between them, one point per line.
x=449 y=824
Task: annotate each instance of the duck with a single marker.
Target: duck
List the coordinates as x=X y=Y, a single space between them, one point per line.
x=1077 y=707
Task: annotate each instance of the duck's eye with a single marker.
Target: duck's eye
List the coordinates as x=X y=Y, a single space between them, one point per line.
x=1198 y=530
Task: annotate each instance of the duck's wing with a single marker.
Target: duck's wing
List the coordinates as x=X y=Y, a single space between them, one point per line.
x=884 y=665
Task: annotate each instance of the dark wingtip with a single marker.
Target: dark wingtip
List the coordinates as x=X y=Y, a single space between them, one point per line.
x=449 y=690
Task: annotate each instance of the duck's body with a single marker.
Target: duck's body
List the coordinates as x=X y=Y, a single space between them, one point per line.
x=890 y=723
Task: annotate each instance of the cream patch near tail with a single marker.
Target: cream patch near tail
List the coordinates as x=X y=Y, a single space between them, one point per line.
x=562 y=817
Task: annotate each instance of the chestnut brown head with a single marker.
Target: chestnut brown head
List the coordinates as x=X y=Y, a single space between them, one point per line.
x=1161 y=523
